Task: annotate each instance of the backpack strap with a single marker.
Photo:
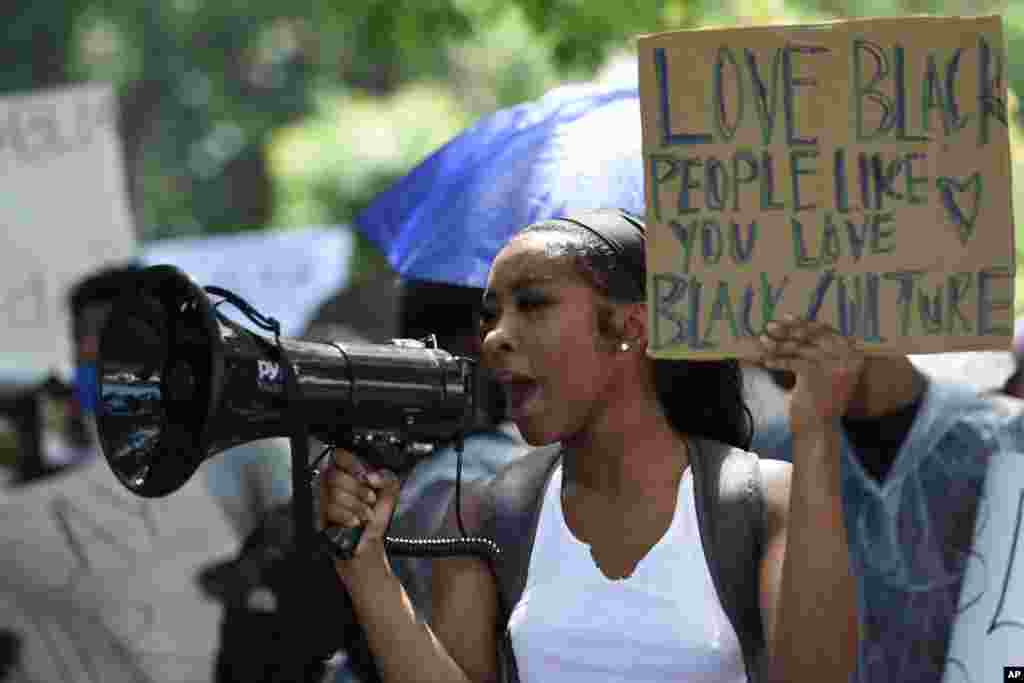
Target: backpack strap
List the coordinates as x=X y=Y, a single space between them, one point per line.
x=730 y=515
x=513 y=500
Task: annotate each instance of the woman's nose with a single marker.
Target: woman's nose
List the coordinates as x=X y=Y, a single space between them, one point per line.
x=497 y=341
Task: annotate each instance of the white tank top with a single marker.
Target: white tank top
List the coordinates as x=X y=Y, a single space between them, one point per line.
x=662 y=623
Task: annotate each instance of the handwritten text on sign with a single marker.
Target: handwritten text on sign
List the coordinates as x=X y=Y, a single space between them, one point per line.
x=856 y=173
x=64 y=214
x=988 y=632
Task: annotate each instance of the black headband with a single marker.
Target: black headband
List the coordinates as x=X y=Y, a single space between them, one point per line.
x=623 y=233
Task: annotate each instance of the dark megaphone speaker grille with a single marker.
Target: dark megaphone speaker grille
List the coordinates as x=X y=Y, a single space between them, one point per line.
x=179 y=382
x=157 y=367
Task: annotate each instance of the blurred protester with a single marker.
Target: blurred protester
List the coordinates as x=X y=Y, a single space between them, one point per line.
x=42 y=454
x=22 y=410
x=84 y=513
x=917 y=441
x=98 y=582
x=10 y=654
x=1015 y=385
x=91 y=300
x=249 y=480
x=367 y=310
x=257 y=639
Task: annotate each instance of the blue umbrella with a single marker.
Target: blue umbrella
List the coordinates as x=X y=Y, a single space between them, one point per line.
x=577 y=147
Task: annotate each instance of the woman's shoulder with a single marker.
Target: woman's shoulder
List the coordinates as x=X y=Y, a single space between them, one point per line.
x=739 y=468
x=708 y=451
x=776 y=476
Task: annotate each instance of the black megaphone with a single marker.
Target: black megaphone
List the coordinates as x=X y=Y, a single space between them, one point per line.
x=179 y=382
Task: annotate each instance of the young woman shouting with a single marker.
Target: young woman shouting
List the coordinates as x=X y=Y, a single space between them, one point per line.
x=618 y=587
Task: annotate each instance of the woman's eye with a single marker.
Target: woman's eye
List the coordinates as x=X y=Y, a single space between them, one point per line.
x=488 y=316
x=532 y=302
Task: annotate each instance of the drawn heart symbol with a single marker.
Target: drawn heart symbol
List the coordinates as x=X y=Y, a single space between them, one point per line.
x=950 y=190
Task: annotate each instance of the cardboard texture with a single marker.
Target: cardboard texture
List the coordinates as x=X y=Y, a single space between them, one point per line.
x=101 y=584
x=64 y=214
x=856 y=173
x=988 y=633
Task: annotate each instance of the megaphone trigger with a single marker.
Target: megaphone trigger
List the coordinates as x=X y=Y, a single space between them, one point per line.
x=341 y=541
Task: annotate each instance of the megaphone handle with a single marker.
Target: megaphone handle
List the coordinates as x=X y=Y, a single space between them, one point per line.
x=342 y=541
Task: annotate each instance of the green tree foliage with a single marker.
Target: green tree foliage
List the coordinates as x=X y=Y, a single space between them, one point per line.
x=205 y=84
x=38 y=43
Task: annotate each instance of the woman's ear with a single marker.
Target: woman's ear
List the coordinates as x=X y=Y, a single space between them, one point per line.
x=633 y=325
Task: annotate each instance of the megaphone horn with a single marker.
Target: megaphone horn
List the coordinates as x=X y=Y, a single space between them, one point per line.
x=179 y=382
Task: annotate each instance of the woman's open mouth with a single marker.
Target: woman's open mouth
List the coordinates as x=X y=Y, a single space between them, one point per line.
x=520 y=394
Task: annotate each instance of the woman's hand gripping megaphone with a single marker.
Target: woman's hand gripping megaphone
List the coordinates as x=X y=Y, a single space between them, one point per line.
x=356 y=503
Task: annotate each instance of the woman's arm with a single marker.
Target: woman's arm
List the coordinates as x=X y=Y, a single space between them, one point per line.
x=882 y=411
x=885 y=385
x=460 y=647
x=405 y=649
x=808 y=593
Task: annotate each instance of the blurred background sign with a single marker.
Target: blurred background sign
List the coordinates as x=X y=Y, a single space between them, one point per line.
x=64 y=213
x=990 y=627
x=100 y=584
x=285 y=274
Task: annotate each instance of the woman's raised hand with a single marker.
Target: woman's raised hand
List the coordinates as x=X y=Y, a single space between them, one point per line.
x=352 y=495
x=826 y=364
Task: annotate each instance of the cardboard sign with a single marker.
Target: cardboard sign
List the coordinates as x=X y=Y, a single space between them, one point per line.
x=856 y=173
x=101 y=584
x=64 y=214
